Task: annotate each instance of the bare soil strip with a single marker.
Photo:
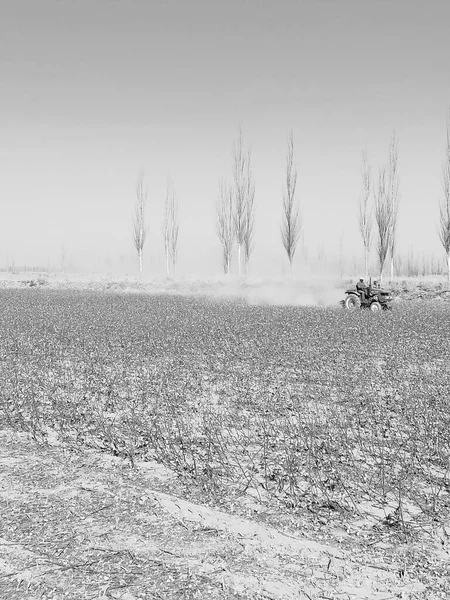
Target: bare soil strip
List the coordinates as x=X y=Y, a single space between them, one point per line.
x=86 y=525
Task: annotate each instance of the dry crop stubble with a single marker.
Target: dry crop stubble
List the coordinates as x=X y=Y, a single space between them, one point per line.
x=306 y=410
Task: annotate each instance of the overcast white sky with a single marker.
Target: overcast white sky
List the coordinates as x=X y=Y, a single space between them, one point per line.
x=91 y=90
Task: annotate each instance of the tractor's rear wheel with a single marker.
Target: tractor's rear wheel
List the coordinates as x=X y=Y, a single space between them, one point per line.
x=352 y=301
x=375 y=307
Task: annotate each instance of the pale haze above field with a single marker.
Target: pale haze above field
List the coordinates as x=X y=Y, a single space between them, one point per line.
x=93 y=90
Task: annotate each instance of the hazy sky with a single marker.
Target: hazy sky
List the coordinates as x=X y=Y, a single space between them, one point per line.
x=92 y=90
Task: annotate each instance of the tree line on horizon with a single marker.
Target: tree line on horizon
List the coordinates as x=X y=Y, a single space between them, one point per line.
x=378 y=207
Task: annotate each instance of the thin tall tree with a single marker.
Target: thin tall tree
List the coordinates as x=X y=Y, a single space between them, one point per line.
x=382 y=218
x=444 y=208
x=225 y=228
x=170 y=228
x=63 y=258
x=139 y=225
x=249 y=216
x=393 y=199
x=243 y=196
x=290 y=225
x=365 y=214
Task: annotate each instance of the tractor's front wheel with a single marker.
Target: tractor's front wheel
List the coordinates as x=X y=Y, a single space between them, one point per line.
x=375 y=307
x=352 y=301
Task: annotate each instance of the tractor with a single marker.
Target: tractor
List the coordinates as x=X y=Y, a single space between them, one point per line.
x=373 y=297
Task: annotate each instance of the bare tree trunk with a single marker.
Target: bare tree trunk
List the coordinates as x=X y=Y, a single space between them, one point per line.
x=290 y=225
x=386 y=209
x=444 y=208
x=365 y=215
x=382 y=218
x=249 y=220
x=244 y=194
x=170 y=229
x=139 y=226
x=366 y=262
x=225 y=231
x=63 y=259
x=174 y=237
x=393 y=185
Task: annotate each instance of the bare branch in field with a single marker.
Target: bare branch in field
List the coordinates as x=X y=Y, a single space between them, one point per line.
x=444 y=208
x=393 y=188
x=225 y=229
x=244 y=194
x=170 y=228
x=365 y=215
x=290 y=225
x=139 y=226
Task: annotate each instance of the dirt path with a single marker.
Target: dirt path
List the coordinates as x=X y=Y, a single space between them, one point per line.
x=85 y=525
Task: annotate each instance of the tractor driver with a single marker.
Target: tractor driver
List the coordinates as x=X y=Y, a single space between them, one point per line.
x=361 y=288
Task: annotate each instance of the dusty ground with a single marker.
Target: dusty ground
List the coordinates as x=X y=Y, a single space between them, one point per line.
x=310 y=291
x=81 y=524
